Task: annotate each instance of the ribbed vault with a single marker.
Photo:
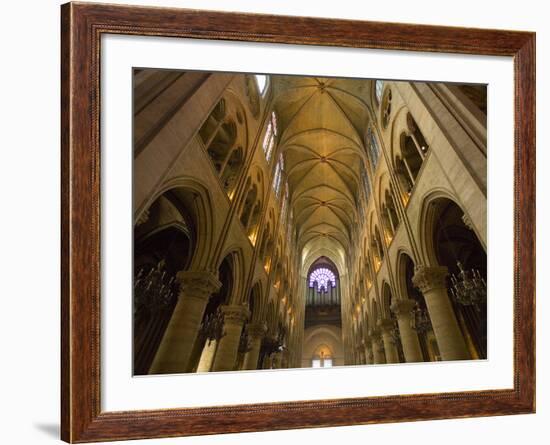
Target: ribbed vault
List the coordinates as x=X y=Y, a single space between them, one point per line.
x=322 y=123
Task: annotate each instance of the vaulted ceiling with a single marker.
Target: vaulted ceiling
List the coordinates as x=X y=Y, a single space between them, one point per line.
x=322 y=124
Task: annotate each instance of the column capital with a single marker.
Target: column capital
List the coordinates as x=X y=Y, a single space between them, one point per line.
x=236 y=314
x=427 y=278
x=403 y=306
x=386 y=325
x=198 y=284
x=257 y=330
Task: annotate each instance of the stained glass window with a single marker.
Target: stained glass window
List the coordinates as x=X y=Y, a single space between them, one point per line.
x=374 y=149
x=322 y=277
x=277 y=178
x=284 y=205
x=270 y=136
x=365 y=180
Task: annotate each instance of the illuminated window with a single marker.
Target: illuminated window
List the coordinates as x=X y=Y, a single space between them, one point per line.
x=378 y=88
x=374 y=148
x=284 y=205
x=289 y=227
x=261 y=81
x=270 y=136
x=322 y=277
x=366 y=183
x=321 y=362
x=277 y=177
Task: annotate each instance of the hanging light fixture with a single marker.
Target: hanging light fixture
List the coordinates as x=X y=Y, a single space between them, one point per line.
x=154 y=289
x=420 y=320
x=468 y=288
x=212 y=327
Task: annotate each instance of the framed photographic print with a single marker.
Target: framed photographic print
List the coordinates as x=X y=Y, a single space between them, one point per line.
x=284 y=222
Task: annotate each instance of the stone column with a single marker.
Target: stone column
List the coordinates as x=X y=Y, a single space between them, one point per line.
x=207 y=355
x=431 y=282
x=368 y=352
x=386 y=328
x=377 y=348
x=234 y=318
x=176 y=346
x=256 y=332
x=409 y=338
x=359 y=355
x=362 y=354
x=277 y=360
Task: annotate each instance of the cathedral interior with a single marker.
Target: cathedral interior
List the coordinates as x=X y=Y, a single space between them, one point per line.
x=297 y=222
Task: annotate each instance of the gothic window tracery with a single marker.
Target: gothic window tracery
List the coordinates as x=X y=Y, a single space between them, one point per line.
x=277 y=177
x=373 y=148
x=414 y=148
x=222 y=133
x=386 y=108
x=322 y=277
x=270 y=136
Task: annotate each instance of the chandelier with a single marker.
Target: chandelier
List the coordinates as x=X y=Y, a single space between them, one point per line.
x=212 y=327
x=244 y=344
x=154 y=288
x=420 y=320
x=468 y=288
x=272 y=345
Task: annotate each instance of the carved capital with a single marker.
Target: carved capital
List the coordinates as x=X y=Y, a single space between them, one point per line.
x=198 y=284
x=257 y=330
x=143 y=218
x=235 y=314
x=403 y=307
x=467 y=222
x=429 y=278
x=386 y=325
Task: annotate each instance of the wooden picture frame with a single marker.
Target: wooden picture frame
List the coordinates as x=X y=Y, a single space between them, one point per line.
x=82 y=26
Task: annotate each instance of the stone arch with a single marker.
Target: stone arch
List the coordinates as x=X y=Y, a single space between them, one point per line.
x=388 y=208
x=164 y=245
x=451 y=243
x=194 y=199
x=252 y=205
x=407 y=156
x=386 y=107
x=256 y=303
x=386 y=300
x=235 y=254
x=224 y=135
x=428 y=219
x=374 y=313
x=249 y=202
x=403 y=257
